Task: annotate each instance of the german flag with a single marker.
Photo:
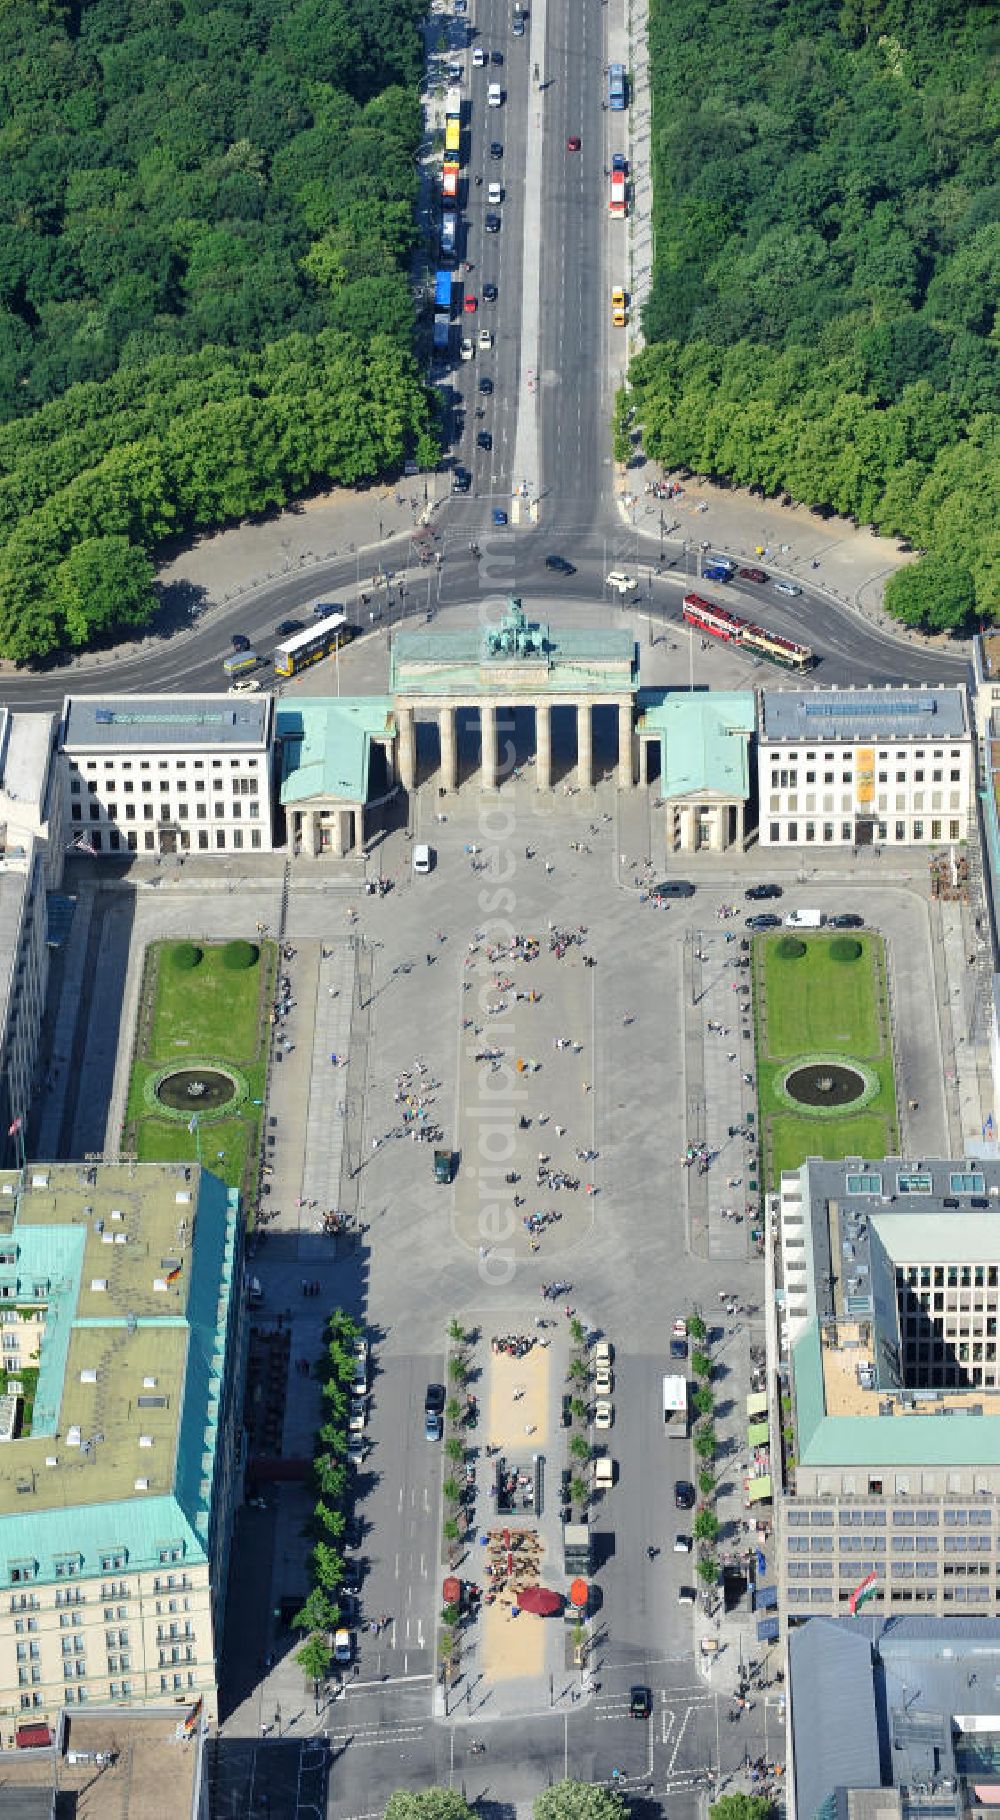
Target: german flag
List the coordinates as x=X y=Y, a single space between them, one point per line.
x=172 y=1275
x=191 y=1722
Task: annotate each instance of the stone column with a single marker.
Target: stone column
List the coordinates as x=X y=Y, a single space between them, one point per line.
x=543 y=746
x=358 y=828
x=644 y=761
x=449 y=754
x=687 y=830
x=741 y=825
x=407 y=748
x=337 y=834
x=584 y=746
x=625 y=772
x=488 y=726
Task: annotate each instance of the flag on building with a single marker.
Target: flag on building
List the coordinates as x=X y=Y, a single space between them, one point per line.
x=172 y=1275
x=867 y=1589
x=15 y=1126
x=191 y=1722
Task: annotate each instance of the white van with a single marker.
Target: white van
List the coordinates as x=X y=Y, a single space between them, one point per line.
x=494 y=195
x=242 y=684
x=422 y=860
x=625 y=584
x=805 y=919
x=494 y=95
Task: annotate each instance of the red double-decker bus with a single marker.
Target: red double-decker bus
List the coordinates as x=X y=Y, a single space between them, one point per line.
x=714 y=620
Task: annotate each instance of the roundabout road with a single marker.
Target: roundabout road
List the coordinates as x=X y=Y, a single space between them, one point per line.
x=848 y=647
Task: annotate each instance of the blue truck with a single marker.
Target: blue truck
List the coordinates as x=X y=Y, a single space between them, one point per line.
x=616 y=87
x=442 y=291
x=449 y=235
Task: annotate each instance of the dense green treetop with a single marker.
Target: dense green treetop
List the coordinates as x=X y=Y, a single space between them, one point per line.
x=822 y=318
x=206 y=221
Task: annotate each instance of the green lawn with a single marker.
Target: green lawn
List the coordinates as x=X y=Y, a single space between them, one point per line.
x=817 y=1006
x=820 y=1004
x=211 y=1013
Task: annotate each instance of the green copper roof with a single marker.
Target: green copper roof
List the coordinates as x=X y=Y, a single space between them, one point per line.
x=514 y=655
x=704 y=740
x=326 y=742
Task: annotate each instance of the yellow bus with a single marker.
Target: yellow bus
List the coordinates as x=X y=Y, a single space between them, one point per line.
x=453 y=136
x=314 y=643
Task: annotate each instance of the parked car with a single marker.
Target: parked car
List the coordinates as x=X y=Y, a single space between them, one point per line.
x=604 y=1353
x=560 y=565
x=604 y=1415
x=673 y=887
x=683 y=1494
x=756 y=892
x=847 y=921
x=342 y=1646
x=434 y=1412
x=240 y=642
x=767 y=921
x=604 y=1381
x=678 y=1349
x=484 y=440
x=492 y=224
x=686 y=1595
x=680 y=1328
x=682 y=1545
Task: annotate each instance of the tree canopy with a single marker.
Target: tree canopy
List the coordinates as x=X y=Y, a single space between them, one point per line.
x=206 y=219
x=579 y=1801
x=823 y=313
x=741 y=1807
x=427 y=1804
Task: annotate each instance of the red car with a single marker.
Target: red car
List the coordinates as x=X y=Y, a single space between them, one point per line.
x=754 y=575
x=471 y=306
x=573 y=142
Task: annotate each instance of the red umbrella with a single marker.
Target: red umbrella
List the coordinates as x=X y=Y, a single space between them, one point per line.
x=541 y=1600
x=579 y=1594
x=451 y=1591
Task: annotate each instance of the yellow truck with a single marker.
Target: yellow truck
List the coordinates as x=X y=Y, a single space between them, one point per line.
x=618 y=313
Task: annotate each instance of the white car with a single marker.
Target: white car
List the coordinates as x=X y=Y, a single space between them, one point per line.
x=479 y=57
x=494 y=95
x=486 y=338
x=680 y=1328
x=356 y=1450
x=243 y=684
x=604 y=1352
x=494 y=195
x=604 y=1381
x=625 y=584
x=604 y=1415
x=468 y=348
x=682 y=1545
x=341 y=1645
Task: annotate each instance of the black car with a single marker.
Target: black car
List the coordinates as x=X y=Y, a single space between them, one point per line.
x=496 y=149
x=673 y=887
x=678 y=1348
x=756 y=893
x=492 y=224
x=241 y=642
x=484 y=440
x=640 y=1702
x=486 y=387
x=847 y=921
x=683 y=1494
x=490 y=293
x=434 y=1400
x=763 y=922
x=286 y=627
x=496 y=56
x=560 y=565
x=461 y=481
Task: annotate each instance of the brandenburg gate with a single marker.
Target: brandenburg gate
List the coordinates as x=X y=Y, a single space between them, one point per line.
x=513 y=663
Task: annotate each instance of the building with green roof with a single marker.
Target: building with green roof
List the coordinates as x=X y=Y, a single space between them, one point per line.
x=886 y=1456
x=123 y=1334
x=700 y=744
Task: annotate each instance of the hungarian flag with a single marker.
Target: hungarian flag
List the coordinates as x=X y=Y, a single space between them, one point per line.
x=868 y=1589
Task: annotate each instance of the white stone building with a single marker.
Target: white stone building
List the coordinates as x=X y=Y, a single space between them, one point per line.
x=32 y=838
x=864 y=767
x=169 y=773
